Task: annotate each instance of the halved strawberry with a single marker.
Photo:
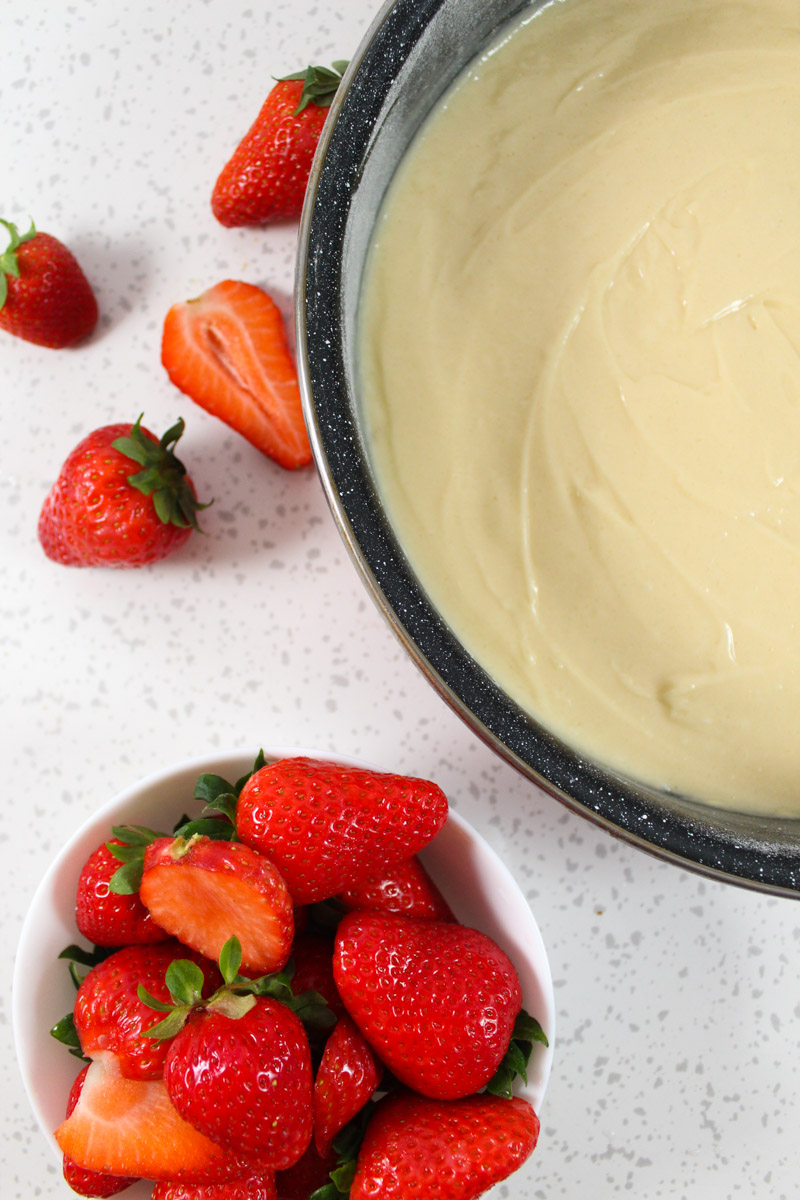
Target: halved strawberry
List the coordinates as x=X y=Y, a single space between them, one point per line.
x=81 y=1180
x=204 y=891
x=129 y=1127
x=227 y=350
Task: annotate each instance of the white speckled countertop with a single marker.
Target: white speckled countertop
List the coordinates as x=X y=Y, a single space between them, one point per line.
x=678 y=1004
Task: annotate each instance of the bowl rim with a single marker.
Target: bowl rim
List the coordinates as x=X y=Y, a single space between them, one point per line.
x=32 y=1041
x=761 y=854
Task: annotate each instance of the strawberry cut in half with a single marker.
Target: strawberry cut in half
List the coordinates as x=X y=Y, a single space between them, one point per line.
x=129 y=1127
x=227 y=350
x=204 y=891
x=80 y=1179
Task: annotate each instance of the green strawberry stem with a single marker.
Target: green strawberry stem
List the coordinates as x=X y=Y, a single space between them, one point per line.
x=217 y=795
x=234 y=998
x=9 y=263
x=163 y=475
x=319 y=84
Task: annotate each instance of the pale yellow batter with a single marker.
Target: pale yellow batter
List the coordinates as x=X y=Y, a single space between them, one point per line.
x=580 y=350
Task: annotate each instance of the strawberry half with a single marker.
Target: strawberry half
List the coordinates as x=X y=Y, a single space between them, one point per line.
x=204 y=891
x=437 y=1001
x=80 y=1179
x=442 y=1150
x=227 y=350
x=326 y=826
x=44 y=295
x=129 y=1127
x=267 y=176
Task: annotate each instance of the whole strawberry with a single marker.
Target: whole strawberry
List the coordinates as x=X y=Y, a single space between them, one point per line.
x=122 y=499
x=244 y=1080
x=347 y=1076
x=442 y=1149
x=44 y=295
x=109 y=1015
x=435 y=1000
x=256 y=1185
x=105 y=917
x=326 y=826
x=267 y=176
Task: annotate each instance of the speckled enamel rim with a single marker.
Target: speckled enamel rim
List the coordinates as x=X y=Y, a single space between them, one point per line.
x=388 y=83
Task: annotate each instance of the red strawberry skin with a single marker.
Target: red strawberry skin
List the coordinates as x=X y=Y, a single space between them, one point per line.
x=347 y=1076
x=308 y=1173
x=406 y=888
x=442 y=1150
x=245 y=1082
x=255 y=1186
x=93 y=517
x=105 y=917
x=204 y=891
x=326 y=825
x=227 y=350
x=436 y=1001
x=266 y=178
x=82 y=1180
x=50 y=302
x=109 y=1016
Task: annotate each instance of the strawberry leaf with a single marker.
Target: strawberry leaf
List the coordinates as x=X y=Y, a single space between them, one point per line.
x=64 y=1031
x=319 y=84
x=9 y=263
x=185 y=982
x=230 y=959
x=526 y=1032
x=163 y=475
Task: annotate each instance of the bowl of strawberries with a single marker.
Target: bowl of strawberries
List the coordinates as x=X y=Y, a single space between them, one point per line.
x=276 y=975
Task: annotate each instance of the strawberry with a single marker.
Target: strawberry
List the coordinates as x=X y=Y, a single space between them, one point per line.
x=347 y=1076
x=122 y=499
x=256 y=1185
x=129 y=1127
x=437 y=1001
x=44 y=295
x=442 y=1150
x=227 y=350
x=404 y=888
x=81 y=1180
x=245 y=1080
x=267 y=176
x=102 y=915
x=110 y=1016
x=326 y=826
x=203 y=891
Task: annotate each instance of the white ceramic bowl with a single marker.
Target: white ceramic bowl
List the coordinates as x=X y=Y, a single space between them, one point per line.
x=478 y=886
